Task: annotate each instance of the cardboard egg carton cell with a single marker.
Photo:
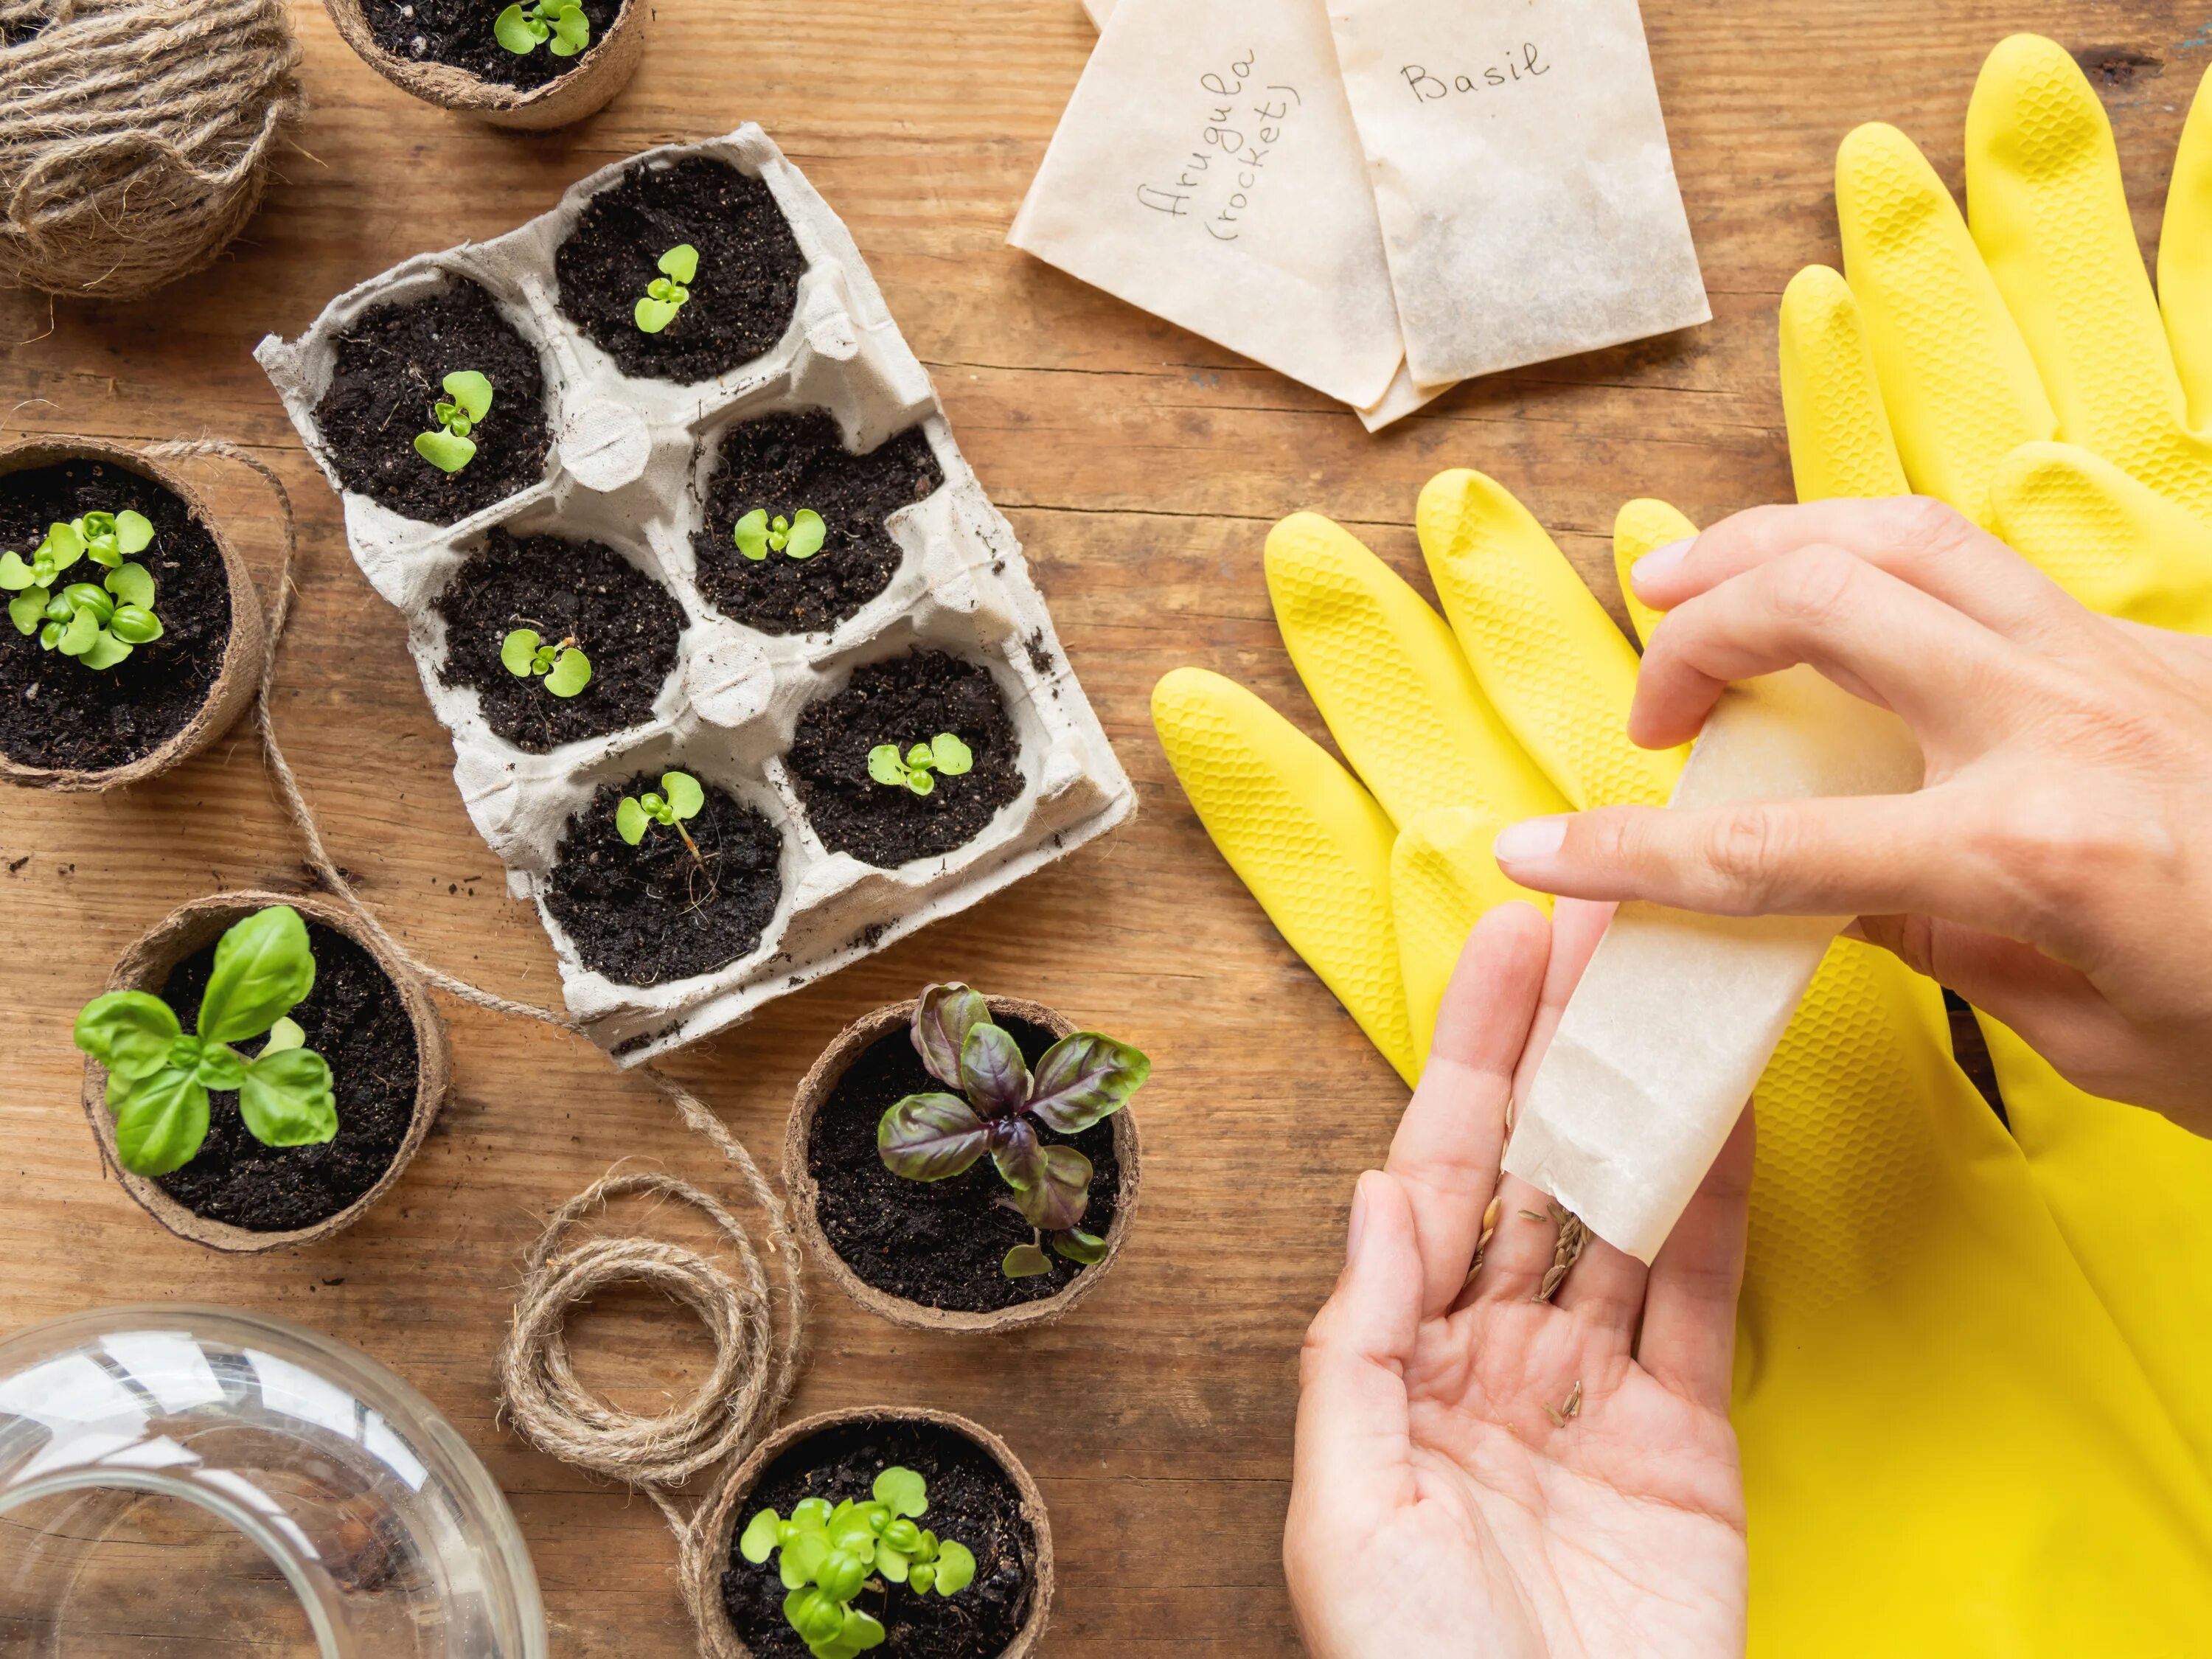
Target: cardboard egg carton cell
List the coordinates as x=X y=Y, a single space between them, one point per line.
x=628 y=468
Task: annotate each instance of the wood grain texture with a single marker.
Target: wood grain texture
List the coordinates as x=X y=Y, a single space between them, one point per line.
x=1141 y=467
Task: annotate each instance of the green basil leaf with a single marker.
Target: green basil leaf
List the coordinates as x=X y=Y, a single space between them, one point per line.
x=1087 y=1249
x=907 y=1494
x=286 y=1099
x=885 y=767
x=1084 y=1077
x=159 y=1121
x=219 y=1067
x=942 y=1020
x=930 y=1137
x=134 y=531
x=956 y=1567
x=951 y=757
x=27 y=609
x=134 y=624
x=751 y=533
x=685 y=797
x=653 y=315
x=263 y=968
x=128 y=1032
x=993 y=1072
x=1025 y=1261
x=131 y=584
x=1060 y=1196
x=630 y=821
x=572 y=672
x=762 y=1534
x=284 y=1034
x=808 y=532
x=444 y=451
x=681 y=262
x=470 y=391
x=518 y=652
x=509 y=29
x=14 y=575
x=77 y=638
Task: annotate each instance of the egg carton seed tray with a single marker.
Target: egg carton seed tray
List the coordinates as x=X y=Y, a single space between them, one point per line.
x=629 y=468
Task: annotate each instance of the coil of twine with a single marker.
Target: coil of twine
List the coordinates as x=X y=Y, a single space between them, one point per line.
x=135 y=136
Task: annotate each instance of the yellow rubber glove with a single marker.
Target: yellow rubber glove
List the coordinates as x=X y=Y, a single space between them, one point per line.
x=1900 y=1254
x=1950 y=362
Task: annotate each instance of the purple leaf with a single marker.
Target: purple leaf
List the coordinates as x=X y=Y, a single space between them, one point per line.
x=1057 y=1201
x=1084 y=1077
x=942 y=1020
x=993 y=1072
x=1015 y=1148
x=930 y=1137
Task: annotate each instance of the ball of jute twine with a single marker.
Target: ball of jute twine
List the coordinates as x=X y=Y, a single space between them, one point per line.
x=756 y=1361
x=135 y=136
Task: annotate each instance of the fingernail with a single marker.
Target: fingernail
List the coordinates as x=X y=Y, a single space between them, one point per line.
x=1659 y=561
x=1358 y=1221
x=1529 y=841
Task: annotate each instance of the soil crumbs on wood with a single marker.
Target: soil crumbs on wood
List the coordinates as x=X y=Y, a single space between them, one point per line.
x=355 y=1019
x=621 y=618
x=391 y=370
x=905 y=701
x=938 y=1243
x=54 y=711
x=742 y=297
x=459 y=33
x=652 y=913
x=781 y=464
x=971 y=1500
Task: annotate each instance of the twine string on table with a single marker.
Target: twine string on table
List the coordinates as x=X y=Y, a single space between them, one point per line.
x=754 y=1363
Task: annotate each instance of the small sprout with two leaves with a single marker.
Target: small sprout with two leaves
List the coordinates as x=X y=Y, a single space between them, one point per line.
x=918 y=768
x=827 y=1556
x=680 y=797
x=96 y=623
x=565 y=670
x=1079 y=1081
x=467 y=401
x=798 y=537
x=665 y=294
x=158 y=1077
x=560 y=26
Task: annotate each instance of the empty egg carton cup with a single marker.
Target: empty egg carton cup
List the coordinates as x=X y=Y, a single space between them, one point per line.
x=627 y=467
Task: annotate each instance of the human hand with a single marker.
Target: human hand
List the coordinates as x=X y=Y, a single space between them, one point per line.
x=1481 y=1471
x=2046 y=871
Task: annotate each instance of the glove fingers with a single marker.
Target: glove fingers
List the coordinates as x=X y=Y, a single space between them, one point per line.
x=1840 y=442
x=1550 y=659
x=1962 y=389
x=2114 y=543
x=2051 y=217
x=1644 y=525
x=1442 y=880
x=1298 y=831
x=1389 y=681
x=2185 y=259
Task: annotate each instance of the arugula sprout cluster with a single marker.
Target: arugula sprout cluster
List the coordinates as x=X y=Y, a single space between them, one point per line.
x=918 y=769
x=467 y=401
x=98 y=623
x=1079 y=1081
x=158 y=1076
x=828 y=1556
x=666 y=295
x=798 y=537
x=565 y=669
x=559 y=26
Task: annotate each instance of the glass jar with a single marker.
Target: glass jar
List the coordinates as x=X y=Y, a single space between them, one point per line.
x=355 y=1523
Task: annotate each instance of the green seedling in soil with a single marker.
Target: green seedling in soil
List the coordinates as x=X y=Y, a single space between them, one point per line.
x=97 y=623
x=665 y=294
x=826 y=1557
x=559 y=26
x=680 y=797
x=467 y=401
x=798 y=537
x=1081 y=1079
x=919 y=769
x=565 y=670
x=158 y=1076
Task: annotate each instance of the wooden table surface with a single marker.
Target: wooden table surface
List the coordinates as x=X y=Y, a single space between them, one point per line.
x=1142 y=468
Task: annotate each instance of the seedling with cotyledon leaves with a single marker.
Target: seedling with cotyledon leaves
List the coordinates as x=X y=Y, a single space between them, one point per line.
x=466 y=402
x=828 y=1556
x=565 y=670
x=680 y=797
x=1079 y=1081
x=666 y=295
x=918 y=768
x=158 y=1076
x=96 y=623
x=798 y=537
x=559 y=26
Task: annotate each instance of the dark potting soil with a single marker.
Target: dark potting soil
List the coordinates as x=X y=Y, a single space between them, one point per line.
x=355 y=1019
x=971 y=1500
x=906 y=701
x=459 y=33
x=620 y=617
x=391 y=366
x=652 y=913
x=781 y=464
x=938 y=1243
x=54 y=711
x=741 y=298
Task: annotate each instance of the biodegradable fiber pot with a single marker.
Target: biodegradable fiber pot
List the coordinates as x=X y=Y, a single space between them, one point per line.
x=191 y=927
x=732 y=1504
x=602 y=70
x=235 y=681
x=806 y=1192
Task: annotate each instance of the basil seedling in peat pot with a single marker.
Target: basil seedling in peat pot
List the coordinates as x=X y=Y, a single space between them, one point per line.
x=666 y=295
x=259 y=1073
x=914 y=1534
x=799 y=537
x=533 y=64
x=997 y=1206
x=564 y=668
x=680 y=797
x=468 y=399
x=101 y=688
x=559 y=26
